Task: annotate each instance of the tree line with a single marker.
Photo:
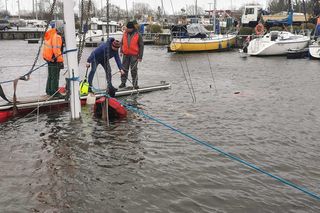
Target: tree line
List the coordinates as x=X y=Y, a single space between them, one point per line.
x=140 y=11
x=311 y=7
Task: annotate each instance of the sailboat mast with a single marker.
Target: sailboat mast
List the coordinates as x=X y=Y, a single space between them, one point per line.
x=214 y=16
x=133 y=9
x=32 y=7
x=108 y=19
x=18 y=1
x=73 y=67
x=196 y=9
x=101 y=7
x=305 y=12
x=127 y=10
x=162 y=8
x=36 y=8
x=291 y=14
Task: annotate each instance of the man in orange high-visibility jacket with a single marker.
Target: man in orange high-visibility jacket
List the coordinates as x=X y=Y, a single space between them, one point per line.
x=132 y=49
x=52 y=53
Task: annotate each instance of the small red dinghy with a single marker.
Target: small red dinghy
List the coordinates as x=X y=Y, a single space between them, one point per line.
x=116 y=110
x=27 y=105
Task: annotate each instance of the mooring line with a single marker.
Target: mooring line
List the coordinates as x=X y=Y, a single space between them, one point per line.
x=226 y=154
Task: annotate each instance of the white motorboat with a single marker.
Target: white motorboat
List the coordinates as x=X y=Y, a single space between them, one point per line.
x=97 y=32
x=277 y=43
x=314 y=49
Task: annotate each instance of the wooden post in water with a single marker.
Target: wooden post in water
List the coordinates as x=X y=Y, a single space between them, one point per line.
x=105 y=110
x=73 y=67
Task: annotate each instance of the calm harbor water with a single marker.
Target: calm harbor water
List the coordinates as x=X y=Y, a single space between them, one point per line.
x=49 y=164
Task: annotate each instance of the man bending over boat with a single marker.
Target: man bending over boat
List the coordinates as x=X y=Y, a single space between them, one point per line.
x=101 y=55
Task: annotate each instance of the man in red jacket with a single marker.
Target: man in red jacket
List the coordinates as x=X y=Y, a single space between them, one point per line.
x=132 y=50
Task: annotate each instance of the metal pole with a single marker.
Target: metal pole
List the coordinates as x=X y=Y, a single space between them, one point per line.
x=291 y=11
x=108 y=19
x=79 y=8
x=73 y=67
x=133 y=9
x=214 y=16
x=32 y=8
x=305 y=12
x=196 y=9
x=210 y=10
x=101 y=8
x=36 y=8
x=162 y=8
x=18 y=1
x=7 y=6
x=127 y=10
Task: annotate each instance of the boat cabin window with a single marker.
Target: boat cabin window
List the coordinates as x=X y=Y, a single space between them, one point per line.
x=93 y=26
x=194 y=21
x=249 y=11
x=112 y=29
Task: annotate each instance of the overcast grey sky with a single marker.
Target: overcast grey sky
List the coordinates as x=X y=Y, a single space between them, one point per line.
x=177 y=4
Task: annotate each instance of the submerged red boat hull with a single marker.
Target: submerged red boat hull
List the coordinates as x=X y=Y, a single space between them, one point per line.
x=115 y=107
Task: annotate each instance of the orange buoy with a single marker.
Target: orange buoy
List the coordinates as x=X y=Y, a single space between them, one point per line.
x=259 y=29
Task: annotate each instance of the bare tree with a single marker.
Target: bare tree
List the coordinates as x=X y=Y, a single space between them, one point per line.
x=276 y=6
x=115 y=12
x=141 y=9
x=314 y=7
x=3 y=12
x=191 y=10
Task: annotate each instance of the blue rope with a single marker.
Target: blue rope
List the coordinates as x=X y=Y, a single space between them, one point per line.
x=42 y=65
x=232 y=157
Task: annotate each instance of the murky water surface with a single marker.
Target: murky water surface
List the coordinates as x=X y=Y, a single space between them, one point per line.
x=49 y=164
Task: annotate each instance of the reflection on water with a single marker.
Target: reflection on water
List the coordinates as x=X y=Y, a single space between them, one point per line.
x=264 y=111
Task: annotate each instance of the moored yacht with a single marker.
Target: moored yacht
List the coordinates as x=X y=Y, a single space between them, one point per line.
x=277 y=43
x=97 y=31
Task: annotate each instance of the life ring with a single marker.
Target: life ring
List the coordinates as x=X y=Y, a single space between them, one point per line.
x=259 y=29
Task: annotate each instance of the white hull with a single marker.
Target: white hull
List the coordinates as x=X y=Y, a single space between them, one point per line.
x=314 y=51
x=266 y=47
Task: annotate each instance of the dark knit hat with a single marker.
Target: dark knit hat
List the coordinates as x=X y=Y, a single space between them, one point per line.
x=116 y=44
x=130 y=25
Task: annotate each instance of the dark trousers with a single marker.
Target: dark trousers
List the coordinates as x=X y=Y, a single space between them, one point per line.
x=130 y=62
x=107 y=69
x=53 y=78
